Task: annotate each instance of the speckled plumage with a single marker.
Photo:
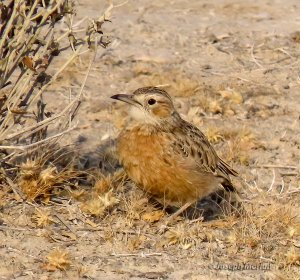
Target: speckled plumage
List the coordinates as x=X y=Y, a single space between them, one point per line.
x=166 y=156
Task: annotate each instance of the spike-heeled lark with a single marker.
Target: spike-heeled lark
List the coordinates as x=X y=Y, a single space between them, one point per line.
x=165 y=155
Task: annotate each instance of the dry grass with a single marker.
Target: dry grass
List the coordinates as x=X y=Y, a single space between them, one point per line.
x=234 y=145
x=238 y=144
x=267 y=232
x=175 y=81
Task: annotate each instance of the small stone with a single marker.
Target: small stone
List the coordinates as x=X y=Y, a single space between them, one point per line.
x=206 y=67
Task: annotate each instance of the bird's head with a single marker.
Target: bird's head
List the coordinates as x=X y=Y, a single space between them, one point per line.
x=149 y=104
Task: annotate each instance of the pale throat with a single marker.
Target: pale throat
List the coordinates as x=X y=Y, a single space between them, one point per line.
x=141 y=116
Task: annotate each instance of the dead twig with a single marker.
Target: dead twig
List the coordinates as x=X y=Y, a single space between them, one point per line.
x=29 y=146
x=254 y=59
x=4 y=228
x=273 y=181
x=61 y=220
x=276 y=166
x=142 y=254
x=15 y=188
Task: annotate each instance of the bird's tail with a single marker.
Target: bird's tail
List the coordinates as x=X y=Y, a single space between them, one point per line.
x=228 y=186
x=225 y=168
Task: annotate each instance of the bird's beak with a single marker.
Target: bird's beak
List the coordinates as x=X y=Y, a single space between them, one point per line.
x=126 y=98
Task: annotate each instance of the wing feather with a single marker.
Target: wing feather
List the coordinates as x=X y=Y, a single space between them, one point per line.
x=193 y=145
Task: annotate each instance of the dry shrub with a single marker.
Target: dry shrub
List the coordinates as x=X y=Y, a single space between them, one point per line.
x=27 y=48
x=28 y=43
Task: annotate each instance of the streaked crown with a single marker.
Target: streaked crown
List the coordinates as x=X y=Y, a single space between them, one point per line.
x=149 y=104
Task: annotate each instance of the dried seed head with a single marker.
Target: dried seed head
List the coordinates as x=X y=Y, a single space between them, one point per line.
x=58 y=259
x=42 y=218
x=48 y=175
x=97 y=206
x=29 y=169
x=29 y=187
x=293 y=257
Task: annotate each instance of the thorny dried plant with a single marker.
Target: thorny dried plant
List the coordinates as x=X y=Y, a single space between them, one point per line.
x=40 y=176
x=58 y=259
x=42 y=217
x=104 y=194
x=97 y=206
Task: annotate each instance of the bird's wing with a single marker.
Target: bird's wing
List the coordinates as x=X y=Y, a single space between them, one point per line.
x=193 y=145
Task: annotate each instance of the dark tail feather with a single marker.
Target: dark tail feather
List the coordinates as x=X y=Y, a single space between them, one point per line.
x=228 y=186
x=225 y=168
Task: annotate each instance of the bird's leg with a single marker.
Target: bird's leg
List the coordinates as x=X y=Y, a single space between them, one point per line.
x=179 y=211
x=176 y=214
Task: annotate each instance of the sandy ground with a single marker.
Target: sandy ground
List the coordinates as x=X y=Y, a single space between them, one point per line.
x=231 y=66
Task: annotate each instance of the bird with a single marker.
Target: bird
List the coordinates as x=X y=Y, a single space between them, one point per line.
x=166 y=156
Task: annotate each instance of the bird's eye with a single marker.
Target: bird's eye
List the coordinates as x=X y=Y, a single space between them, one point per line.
x=151 y=101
